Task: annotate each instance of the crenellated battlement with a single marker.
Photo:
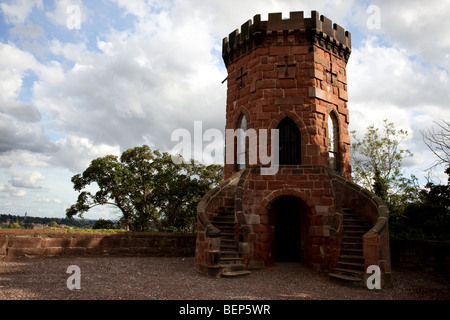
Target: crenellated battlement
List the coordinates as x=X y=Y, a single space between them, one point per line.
x=321 y=30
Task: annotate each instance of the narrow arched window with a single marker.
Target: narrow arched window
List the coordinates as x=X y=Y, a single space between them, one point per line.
x=289 y=142
x=333 y=142
x=241 y=143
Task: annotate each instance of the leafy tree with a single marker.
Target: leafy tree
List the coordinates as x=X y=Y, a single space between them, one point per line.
x=15 y=225
x=377 y=165
x=104 y=224
x=53 y=224
x=150 y=190
x=427 y=218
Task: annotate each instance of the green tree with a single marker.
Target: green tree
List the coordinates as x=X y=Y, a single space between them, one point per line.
x=377 y=165
x=150 y=190
x=15 y=225
x=427 y=218
x=53 y=224
x=104 y=224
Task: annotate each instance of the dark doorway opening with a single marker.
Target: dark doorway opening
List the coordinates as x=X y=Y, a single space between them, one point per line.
x=287 y=212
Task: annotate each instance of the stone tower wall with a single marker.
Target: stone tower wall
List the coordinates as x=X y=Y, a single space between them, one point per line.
x=294 y=67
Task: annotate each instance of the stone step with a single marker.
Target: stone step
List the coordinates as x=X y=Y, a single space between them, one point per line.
x=351 y=257
x=345 y=277
x=232 y=253
x=234 y=269
x=218 y=223
x=225 y=229
x=358 y=252
x=228 y=246
x=354 y=232
x=352 y=241
x=352 y=236
x=352 y=216
x=227 y=234
x=232 y=266
x=346 y=271
x=226 y=210
x=227 y=240
x=223 y=225
x=235 y=273
x=355 y=226
x=223 y=219
x=230 y=259
x=349 y=242
x=351 y=265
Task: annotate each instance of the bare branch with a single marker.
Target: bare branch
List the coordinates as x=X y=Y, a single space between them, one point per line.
x=438 y=142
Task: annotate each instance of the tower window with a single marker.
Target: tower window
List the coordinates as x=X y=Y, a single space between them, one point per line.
x=241 y=143
x=333 y=142
x=289 y=142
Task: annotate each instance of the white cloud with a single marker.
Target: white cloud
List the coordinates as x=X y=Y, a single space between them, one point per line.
x=16 y=11
x=13 y=65
x=23 y=158
x=418 y=27
x=75 y=153
x=70 y=51
x=9 y=191
x=388 y=83
x=392 y=75
x=19 y=135
x=118 y=97
x=26 y=179
x=28 y=30
x=23 y=111
x=48 y=200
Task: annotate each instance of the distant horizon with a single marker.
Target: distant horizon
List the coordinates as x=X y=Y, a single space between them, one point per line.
x=51 y=217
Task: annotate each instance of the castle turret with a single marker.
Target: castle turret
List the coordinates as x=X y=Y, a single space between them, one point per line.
x=296 y=69
x=289 y=76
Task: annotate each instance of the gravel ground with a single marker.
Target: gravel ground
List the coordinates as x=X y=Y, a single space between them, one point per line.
x=161 y=278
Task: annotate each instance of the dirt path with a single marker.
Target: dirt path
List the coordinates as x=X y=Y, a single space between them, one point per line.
x=144 y=278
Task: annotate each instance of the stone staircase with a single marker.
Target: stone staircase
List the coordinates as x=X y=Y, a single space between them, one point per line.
x=350 y=265
x=230 y=262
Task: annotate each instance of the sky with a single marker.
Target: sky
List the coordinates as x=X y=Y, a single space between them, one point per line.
x=83 y=79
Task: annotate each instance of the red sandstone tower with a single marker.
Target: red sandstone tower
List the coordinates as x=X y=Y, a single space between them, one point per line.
x=290 y=75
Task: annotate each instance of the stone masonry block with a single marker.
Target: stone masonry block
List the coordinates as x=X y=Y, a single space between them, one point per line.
x=322 y=210
x=253 y=219
x=289 y=101
x=3 y=242
x=24 y=242
x=20 y=252
x=319 y=231
x=56 y=242
x=371 y=252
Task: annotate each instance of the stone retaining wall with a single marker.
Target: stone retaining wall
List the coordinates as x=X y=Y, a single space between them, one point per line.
x=421 y=254
x=43 y=243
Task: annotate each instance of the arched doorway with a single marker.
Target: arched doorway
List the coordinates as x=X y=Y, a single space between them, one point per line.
x=287 y=212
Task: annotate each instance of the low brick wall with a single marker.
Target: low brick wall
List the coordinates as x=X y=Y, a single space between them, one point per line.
x=425 y=255
x=43 y=243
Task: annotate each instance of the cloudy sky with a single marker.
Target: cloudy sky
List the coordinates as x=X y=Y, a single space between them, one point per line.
x=83 y=79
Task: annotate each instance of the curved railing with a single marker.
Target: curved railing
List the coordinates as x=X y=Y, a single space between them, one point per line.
x=210 y=229
x=378 y=213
